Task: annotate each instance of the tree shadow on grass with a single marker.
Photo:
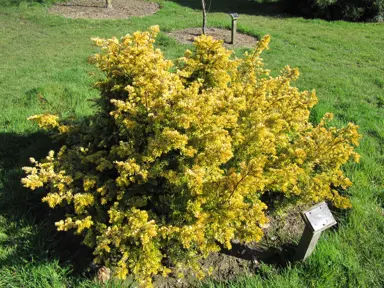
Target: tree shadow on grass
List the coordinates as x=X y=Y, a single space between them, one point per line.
x=18 y=2
x=273 y=8
x=27 y=230
x=67 y=4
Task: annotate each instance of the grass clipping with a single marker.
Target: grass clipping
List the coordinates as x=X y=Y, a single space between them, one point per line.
x=173 y=164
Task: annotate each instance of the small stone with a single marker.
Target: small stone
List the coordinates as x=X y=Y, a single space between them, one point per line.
x=104 y=274
x=254 y=261
x=265 y=226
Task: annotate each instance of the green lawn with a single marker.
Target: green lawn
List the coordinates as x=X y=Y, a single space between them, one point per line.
x=44 y=67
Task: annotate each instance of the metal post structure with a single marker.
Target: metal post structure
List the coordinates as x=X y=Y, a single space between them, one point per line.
x=234 y=17
x=317 y=219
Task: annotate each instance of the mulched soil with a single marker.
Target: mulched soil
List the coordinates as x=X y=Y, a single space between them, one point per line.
x=95 y=9
x=188 y=35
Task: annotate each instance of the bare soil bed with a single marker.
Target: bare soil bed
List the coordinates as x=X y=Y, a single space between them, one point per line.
x=277 y=248
x=188 y=35
x=96 y=9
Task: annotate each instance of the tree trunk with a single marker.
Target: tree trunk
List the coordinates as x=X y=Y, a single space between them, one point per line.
x=204 y=16
x=108 y=3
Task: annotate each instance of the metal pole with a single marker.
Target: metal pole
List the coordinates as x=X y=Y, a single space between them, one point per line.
x=307 y=244
x=234 y=17
x=234 y=30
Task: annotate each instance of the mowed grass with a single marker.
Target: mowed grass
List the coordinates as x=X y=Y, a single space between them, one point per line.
x=44 y=68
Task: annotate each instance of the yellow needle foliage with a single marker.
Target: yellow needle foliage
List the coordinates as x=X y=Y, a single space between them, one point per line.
x=174 y=163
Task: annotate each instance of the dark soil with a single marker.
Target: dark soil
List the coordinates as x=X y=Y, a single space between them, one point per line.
x=226 y=267
x=276 y=248
x=285 y=227
x=188 y=35
x=96 y=9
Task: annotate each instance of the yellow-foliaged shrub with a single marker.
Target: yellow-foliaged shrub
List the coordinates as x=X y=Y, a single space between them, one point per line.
x=178 y=155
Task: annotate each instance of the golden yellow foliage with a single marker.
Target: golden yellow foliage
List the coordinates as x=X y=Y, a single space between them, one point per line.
x=174 y=163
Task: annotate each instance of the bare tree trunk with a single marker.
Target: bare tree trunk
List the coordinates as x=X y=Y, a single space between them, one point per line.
x=108 y=3
x=204 y=16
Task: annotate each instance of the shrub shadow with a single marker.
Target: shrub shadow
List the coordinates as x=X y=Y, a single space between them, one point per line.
x=27 y=224
x=281 y=257
x=22 y=209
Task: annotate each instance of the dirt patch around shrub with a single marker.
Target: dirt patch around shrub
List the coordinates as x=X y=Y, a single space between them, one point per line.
x=96 y=9
x=277 y=248
x=187 y=36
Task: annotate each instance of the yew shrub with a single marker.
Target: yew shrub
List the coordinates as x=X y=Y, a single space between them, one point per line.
x=174 y=163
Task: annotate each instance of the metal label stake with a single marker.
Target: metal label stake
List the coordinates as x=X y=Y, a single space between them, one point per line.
x=317 y=219
x=234 y=17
